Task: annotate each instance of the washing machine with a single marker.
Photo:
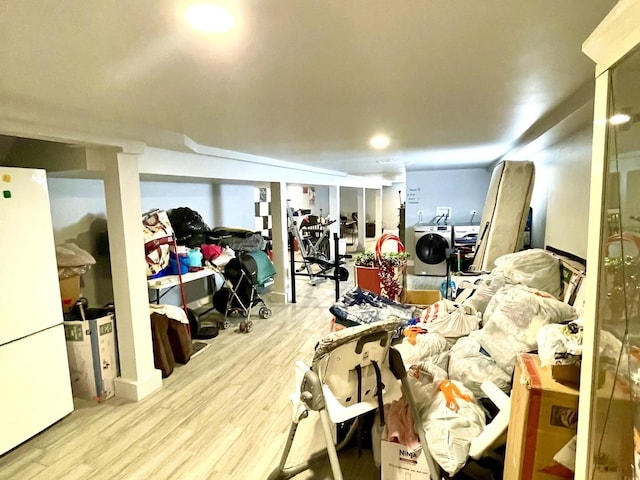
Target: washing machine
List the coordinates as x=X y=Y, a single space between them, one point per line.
x=465 y=235
x=464 y=240
x=431 y=245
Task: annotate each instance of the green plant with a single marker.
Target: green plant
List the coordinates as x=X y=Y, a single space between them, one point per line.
x=393 y=259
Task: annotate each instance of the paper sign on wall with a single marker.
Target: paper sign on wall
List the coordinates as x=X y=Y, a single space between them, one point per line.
x=413 y=196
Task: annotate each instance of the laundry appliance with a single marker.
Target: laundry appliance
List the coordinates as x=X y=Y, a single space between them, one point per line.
x=465 y=235
x=432 y=241
x=465 y=238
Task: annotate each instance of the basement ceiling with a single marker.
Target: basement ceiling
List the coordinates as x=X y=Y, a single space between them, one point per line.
x=453 y=83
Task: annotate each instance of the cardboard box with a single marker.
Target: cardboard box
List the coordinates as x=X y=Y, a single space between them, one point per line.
x=567 y=374
x=69 y=291
x=398 y=463
x=93 y=361
x=544 y=417
x=421 y=298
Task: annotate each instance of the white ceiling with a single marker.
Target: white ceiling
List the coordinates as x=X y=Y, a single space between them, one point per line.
x=455 y=83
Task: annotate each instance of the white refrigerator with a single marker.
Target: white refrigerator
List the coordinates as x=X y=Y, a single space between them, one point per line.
x=35 y=386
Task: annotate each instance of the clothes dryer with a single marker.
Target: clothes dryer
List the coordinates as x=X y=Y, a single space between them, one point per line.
x=465 y=235
x=465 y=238
x=431 y=245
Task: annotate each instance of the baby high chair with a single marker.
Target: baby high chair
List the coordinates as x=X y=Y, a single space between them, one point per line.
x=353 y=371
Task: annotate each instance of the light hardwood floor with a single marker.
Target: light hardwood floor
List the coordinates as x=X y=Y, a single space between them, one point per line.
x=224 y=415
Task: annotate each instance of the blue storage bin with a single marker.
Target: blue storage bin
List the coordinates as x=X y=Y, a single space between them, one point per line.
x=184 y=264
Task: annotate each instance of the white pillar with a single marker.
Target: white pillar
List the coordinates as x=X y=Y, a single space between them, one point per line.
x=362 y=220
x=378 y=213
x=138 y=377
x=280 y=291
x=334 y=214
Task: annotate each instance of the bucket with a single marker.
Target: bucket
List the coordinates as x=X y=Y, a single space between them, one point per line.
x=195 y=257
x=184 y=264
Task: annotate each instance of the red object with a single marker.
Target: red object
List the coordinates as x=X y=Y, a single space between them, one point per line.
x=368 y=278
x=210 y=251
x=384 y=238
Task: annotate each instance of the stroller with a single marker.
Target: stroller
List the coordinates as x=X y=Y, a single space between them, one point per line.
x=244 y=274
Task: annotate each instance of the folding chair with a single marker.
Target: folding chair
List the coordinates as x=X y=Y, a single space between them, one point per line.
x=350 y=375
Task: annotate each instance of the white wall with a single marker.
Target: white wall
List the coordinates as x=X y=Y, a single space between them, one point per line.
x=391 y=205
x=463 y=190
x=300 y=198
x=348 y=201
x=78 y=214
x=560 y=199
x=75 y=204
x=233 y=206
x=167 y=195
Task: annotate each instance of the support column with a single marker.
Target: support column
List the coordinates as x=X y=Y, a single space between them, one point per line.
x=362 y=220
x=334 y=214
x=281 y=288
x=378 y=213
x=138 y=376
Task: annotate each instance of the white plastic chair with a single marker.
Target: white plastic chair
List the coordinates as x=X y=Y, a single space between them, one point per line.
x=350 y=375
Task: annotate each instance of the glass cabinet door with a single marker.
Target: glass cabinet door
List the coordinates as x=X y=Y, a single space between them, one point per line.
x=615 y=404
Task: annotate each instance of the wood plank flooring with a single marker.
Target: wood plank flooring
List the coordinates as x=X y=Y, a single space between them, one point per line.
x=224 y=415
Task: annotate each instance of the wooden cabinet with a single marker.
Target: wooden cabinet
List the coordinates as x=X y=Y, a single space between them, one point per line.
x=370 y=229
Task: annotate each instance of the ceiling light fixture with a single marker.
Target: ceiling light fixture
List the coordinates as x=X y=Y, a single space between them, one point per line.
x=619 y=119
x=209 y=18
x=379 y=141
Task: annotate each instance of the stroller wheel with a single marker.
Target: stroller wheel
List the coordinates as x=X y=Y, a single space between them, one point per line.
x=265 y=312
x=246 y=327
x=224 y=325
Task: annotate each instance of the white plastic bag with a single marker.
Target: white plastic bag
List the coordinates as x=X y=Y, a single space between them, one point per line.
x=427 y=345
x=470 y=366
x=484 y=292
x=512 y=320
x=560 y=344
x=450 y=319
x=450 y=427
x=535 y=268
x=424 y=379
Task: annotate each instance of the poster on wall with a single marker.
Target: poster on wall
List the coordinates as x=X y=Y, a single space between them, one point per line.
x=413 y=196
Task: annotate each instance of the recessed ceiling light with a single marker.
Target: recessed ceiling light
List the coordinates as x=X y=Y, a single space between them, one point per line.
x=383 y=161
x=379 y=141
x=209 y=18
x=619 y=118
